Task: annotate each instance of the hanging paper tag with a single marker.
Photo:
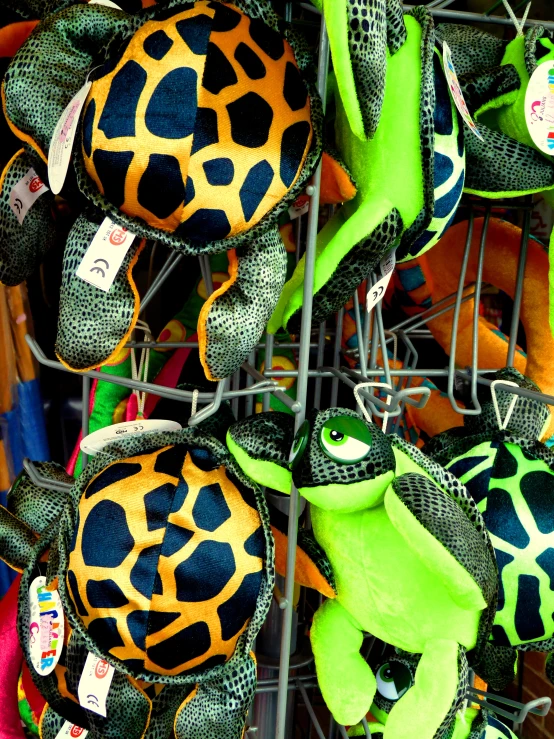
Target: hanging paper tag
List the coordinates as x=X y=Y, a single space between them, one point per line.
x=46 y=626
x=539 y=107
x=94 y=684
x=300 y=206
x=24 y=193
x=96 y=441
x=456 y=90
x=107 y=3
x=105 y=255
x=71 y=731
x=377 y=292
x=61 y=144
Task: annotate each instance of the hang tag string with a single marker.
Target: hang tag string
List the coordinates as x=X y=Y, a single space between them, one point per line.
x=519 y=25
x=503 y=424
x=195 y=394
x=361 y=405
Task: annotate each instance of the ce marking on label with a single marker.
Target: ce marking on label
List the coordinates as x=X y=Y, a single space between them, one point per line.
x=92 y=700
x=378 y=293
x=18 y=204
x=99 y=269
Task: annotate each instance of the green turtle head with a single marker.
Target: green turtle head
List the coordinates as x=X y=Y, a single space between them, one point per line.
x=341 y=462
x=528 y=418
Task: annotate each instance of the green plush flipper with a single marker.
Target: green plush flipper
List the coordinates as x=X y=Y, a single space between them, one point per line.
x=359 y=36
x=93 y=325
x=344 y=677
x=16 y=541
x=34 y=505
x=23 y=245
x=497 y=665
x=257 y=275
x=218 y=708
x=409 y=178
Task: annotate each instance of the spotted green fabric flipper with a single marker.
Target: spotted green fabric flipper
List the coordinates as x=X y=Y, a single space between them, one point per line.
x=36 y=506
x=360 y=35
x=409 y=177
x=23 y=245
x=93 y=325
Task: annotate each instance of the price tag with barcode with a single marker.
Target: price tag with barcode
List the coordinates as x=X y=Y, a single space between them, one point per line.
x=377 y=292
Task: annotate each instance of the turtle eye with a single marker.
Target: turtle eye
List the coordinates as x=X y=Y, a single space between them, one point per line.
x=299 y=444
x=393 y=680
x=345 y=439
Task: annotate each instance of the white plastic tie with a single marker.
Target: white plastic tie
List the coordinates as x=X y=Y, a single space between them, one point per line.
x=361 y=404
x=503 y=424
x=195 y=394
x=519 y=25
x=140 y=374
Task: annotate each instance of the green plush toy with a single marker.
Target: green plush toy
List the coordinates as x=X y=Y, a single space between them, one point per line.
x=510 y=475
x=409 y=176
x=494 y=75
x=410 y=556
x=397 y=676
x=162 y=557
x=201 y=126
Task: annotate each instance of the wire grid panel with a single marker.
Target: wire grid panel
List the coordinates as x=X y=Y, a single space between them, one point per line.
x=372 y=335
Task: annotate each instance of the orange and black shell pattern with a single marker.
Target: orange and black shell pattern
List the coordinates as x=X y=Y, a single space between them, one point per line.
x=202 y=124
x=166 y=558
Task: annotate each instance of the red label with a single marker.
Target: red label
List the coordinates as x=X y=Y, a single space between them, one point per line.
x=76 y=731
x=118 y=236
x=35 y=184
x=101 y=669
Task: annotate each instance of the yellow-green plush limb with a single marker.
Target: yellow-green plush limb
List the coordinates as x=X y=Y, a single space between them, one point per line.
x=346 y=680
x=410 y=716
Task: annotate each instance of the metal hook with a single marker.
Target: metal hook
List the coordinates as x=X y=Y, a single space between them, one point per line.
x=538 y=707
x=503 y=424
x=44 y=482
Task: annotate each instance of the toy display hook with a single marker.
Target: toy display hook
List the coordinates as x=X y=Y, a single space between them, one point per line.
x=503 y=424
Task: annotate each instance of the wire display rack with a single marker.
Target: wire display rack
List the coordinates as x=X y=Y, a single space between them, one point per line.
x=285 y=666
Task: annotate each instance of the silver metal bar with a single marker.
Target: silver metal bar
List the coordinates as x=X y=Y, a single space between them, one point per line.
x=206 y=269
x=268 y=361
x=195 y=345
x=211 y=408
x=476 y=306
x=518 y=293
x=320 y=357
x=170 y=264
x=85 y=416
x=336 y=356
x=291 y=403
x=309 y=708
x=44 y=482
x=301 y=394
x=360 y=333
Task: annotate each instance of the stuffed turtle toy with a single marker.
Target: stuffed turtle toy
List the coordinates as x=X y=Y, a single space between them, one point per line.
x=510 y=475
x=409 y=556
x=409 y=175
x=396 y=676
x=201 y=126
x=162 y=556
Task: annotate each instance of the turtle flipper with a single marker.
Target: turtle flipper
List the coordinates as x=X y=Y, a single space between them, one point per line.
x=93 y=325
x=16 y=541
x=442 y=534
x=496 y=665
x=429 y=707
x=23 y=245
x=218 y=707
x=346 y=680
x=33 y=505
x=261 y=445
x=233 y=318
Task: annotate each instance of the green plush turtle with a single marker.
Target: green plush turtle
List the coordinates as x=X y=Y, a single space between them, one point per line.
x=510 y=475
x=201 y=126
x=410 y=558
x=398 y=675
x=162 y=557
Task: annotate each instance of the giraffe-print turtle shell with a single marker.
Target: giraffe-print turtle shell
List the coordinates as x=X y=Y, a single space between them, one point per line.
x=167 y=560
x=199 y=124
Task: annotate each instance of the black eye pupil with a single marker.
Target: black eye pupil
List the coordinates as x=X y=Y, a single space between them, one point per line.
x=337 y=436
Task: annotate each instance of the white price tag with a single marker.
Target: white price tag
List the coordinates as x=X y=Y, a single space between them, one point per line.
x=539 y=107
x=25 y=192
x=59 y=154
x=94 y=684
x=105 y=255
x=456 y=90
x=46 y=626
x=300 y=206
x=107 y=3
x=377 y=292
x=71 y=731
x=96 y=441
